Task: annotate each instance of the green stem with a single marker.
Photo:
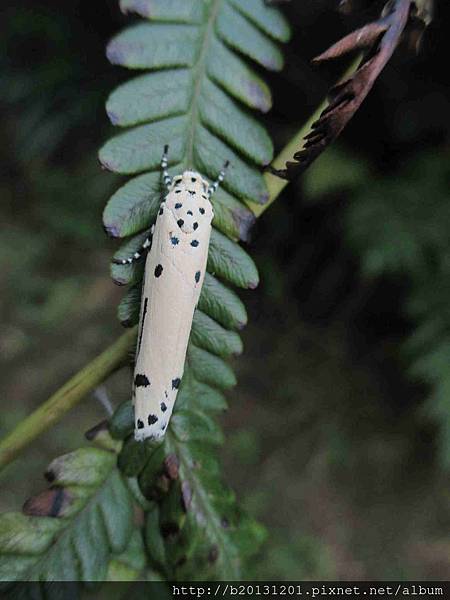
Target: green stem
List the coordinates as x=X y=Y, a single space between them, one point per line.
x=66 y=398
x=275 y=184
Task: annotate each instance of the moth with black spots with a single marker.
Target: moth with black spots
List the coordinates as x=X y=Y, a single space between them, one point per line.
x=174 y=273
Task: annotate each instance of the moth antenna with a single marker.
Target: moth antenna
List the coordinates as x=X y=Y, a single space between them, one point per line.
x=213 y=187
x=138 y=254
x=165 y=173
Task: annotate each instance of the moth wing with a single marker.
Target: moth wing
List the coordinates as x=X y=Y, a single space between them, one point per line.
x=175 y=269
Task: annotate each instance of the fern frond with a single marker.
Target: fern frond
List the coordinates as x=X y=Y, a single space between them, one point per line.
x=194 y=528
x=194 y=105
x=428 y=351
x=71 y=531
x=131 y=563
x=196 y=99
x=193 y=100
x=399 y=224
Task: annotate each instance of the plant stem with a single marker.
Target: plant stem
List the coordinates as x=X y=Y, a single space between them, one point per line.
x=275 y=184
x=51 y=411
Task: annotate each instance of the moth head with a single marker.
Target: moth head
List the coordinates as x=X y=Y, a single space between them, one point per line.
x=191 y=180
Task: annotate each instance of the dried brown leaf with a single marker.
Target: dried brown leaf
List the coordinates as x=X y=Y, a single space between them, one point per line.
x=359 y=39
x=380 y=39
x=53 y=502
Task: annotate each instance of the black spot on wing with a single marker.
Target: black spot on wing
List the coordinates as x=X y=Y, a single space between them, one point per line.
x=152 y=419
x=189 y=212
x=194 y=243
x=195 y=226
x=141 y=380
x=192 y=192
x=180 y=222
x=163 y=406
x=161 y=210
x=177 y=191
x=197 y=276
x=144 y=314
x=158 y=270
x=193 y=179
x=140 y=424
x=178 y=205
x=176 y=383
x=201 y=211
x=174 y=240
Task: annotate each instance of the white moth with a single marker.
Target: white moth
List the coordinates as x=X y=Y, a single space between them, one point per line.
x=174 y=272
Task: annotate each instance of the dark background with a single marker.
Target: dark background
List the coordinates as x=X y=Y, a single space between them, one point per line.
x=341 y=445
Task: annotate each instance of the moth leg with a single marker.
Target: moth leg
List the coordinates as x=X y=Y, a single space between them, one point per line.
x=138 y=254
x=213 y=187
x=167 y=179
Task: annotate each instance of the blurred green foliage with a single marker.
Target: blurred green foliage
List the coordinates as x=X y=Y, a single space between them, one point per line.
x=398 y=226
x=52 y=188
